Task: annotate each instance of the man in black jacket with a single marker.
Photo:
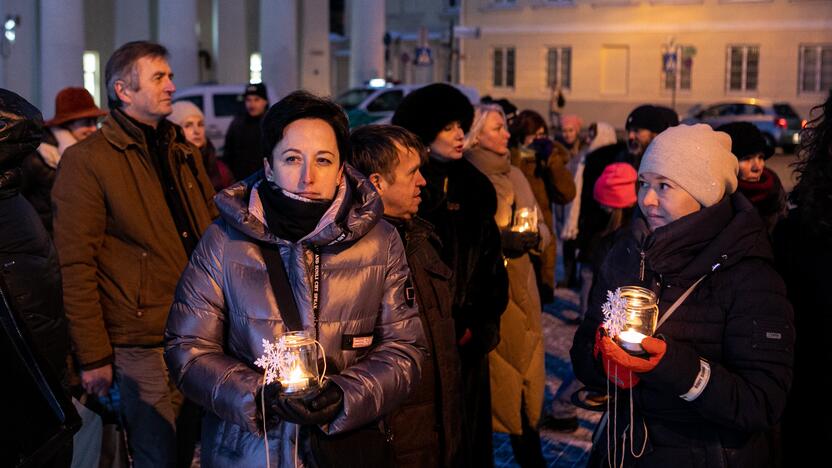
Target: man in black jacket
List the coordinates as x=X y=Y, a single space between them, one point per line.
x=243 y=150
x=427 y=429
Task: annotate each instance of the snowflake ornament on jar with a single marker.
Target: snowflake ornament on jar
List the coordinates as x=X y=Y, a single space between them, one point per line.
x=275 y=360
x=615 y=312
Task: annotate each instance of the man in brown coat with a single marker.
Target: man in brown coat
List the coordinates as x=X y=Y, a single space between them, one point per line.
x=129 y=204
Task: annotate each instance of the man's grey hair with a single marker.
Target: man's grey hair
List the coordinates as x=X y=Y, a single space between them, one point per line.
x=122 y=66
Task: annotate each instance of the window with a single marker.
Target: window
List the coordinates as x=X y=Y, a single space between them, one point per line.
x=226 y=105
x=255 y=68
x=815 y=68
x=386 y=102
x=743 y=66
x=92 y=75
x=559 y=68
x=504 y=67
x=679 y=73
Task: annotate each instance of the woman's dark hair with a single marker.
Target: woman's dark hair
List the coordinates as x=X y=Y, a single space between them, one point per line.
x=813 y=192
x=526 y=123
x=303 y=105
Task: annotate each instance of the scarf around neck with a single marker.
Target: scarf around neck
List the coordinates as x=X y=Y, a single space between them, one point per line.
x=288 y=217
x=497 y=168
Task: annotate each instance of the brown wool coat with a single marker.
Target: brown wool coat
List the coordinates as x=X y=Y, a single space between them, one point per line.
x=119 y=249
x=562 y=192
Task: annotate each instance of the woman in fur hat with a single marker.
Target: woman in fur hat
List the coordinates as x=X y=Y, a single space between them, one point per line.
x=759 y=184
x=76 y=118
x=461 y=202
x=714 y=378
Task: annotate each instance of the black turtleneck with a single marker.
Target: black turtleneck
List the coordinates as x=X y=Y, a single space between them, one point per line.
x=158 y=149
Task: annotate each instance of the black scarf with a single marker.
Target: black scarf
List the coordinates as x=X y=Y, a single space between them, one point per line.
x=287 y=217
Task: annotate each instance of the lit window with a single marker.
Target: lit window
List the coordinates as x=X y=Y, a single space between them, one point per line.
x=559 y=68
x=255 y=67
x=679 y=71
x=743 y=67
x=503 y=67
x=815 y=68
x=91 y=75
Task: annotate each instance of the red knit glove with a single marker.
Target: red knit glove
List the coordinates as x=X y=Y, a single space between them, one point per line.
x=620 y=366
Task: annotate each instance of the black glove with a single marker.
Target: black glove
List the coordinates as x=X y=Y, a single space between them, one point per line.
x=515 y=244
x=316 y=408
x=542 y=148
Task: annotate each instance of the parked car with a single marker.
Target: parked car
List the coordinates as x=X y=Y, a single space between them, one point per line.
x=219 y=103
x=778 y=121
x=376 y=104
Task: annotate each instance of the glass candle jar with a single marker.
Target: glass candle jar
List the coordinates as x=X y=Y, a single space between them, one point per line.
x=525 y=220
x=642 y=313
x=298 y=367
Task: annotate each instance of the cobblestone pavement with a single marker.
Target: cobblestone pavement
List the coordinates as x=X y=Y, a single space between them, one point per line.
x=561 y=450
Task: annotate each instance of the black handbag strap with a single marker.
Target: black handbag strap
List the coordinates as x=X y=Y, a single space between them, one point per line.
x=279 y=280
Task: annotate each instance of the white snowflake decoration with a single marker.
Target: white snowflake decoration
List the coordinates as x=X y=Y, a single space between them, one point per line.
x=275 y=360
x=615 y=312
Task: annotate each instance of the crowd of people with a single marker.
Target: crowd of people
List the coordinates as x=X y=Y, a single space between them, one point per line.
x=417 y=257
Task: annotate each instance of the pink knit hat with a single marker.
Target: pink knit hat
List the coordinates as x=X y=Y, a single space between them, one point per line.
x=571 y=119
x=616 y=188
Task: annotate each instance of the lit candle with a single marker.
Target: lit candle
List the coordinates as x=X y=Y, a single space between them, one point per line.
x=296 y=381
x=631 y=340
x=525 y=220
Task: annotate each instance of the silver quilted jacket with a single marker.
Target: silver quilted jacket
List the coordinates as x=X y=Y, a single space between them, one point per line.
x=224 y=307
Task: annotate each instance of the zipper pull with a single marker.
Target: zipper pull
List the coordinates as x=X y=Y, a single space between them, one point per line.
x=641 y=267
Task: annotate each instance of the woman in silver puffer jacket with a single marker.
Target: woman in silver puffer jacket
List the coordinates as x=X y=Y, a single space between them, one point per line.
x=308 y=203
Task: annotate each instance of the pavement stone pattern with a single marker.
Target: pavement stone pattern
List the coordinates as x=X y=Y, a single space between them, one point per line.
x=561 y=450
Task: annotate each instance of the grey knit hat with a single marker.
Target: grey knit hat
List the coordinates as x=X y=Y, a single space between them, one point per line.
x=695 y=157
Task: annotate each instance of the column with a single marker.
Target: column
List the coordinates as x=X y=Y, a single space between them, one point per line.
x=61 y=49
x=229 y=44
x=279 y=45
x=315 y=59
x=367 y=24
x=132 y=21
x=177 y=32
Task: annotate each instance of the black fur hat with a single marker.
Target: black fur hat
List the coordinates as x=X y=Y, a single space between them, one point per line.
x=746 y=140
x=426 y=111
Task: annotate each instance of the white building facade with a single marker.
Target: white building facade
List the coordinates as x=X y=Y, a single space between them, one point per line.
x=608 y=56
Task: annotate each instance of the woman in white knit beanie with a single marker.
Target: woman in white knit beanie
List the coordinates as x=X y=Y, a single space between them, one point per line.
x=714 y=377
x=684 y=169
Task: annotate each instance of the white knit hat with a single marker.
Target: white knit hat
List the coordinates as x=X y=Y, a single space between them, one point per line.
x=182 y=110
x=695 y=157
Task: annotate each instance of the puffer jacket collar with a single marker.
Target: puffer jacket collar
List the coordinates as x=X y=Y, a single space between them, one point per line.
x=355 y=210
x=714 y=237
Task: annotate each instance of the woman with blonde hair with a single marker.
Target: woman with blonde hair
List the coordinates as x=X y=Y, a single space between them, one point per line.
x=517 y=364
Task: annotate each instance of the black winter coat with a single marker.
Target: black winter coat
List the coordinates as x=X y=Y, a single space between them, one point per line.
x=38 y=179
x=243 y=150
x=804 y=259
x=738 y=319
x=28 y=260
x=427 y=428
x=461 y=202
x=593 y=219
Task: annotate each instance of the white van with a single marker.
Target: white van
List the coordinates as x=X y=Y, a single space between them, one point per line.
x=219 y=103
